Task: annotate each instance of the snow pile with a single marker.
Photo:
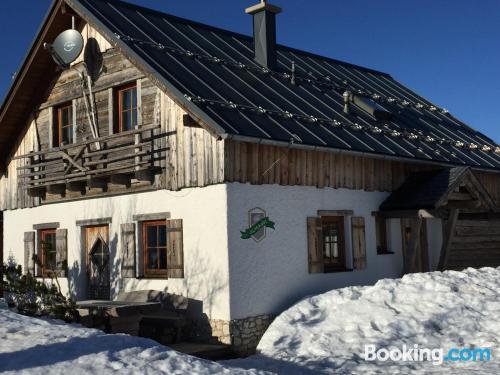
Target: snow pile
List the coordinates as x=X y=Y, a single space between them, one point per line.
x=328 y=333
x=36 y=346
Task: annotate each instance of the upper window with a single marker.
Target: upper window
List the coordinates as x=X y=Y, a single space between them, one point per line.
x=155 y=248
x=126 y=97
x=47 y=251
x=63 y=125
x=333 y=242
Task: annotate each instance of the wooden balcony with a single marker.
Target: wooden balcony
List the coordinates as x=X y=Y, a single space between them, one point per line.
x=119 y=159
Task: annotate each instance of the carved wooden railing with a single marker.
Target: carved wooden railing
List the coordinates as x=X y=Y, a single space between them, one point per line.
x=93 y=163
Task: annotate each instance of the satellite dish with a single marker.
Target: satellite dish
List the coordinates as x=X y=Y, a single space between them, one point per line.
x=66 y=48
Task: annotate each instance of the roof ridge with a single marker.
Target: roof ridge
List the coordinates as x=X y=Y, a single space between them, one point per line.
x=241 y=35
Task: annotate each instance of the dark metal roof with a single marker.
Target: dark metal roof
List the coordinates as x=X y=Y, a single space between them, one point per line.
x=213 y=75
x=431 y=190
x=423 y=190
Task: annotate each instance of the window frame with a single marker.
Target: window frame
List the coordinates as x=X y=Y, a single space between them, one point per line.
x=58 y=126
x=148 y=272
x=382 y=238
x=341 y=264
x=118 y=95
x=42 y=233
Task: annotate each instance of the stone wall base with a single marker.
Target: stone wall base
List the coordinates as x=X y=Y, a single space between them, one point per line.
x=242 y=334
x=246 y=333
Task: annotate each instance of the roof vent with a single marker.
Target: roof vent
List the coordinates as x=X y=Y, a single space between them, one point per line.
x=264 y=33
x=372 y=107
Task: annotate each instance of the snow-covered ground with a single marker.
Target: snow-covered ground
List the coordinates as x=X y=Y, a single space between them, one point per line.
x=327 y=333
x=38 y=346
x=324 y=334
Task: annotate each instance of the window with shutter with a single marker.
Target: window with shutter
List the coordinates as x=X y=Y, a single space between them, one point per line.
x=155 y=248
x=163 y=249
x=47 y=252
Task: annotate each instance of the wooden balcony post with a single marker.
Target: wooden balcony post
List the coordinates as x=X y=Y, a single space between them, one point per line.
x=138 y=141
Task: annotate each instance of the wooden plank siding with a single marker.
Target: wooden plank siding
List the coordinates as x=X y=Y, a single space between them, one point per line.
x=491 y=182
x=265 y=164
x=194 y=157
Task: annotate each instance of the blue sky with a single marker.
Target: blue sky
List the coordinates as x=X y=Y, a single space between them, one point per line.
x=447 y=51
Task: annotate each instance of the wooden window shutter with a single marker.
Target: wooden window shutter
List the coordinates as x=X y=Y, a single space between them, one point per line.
x=62 y=252
x=358 y=243
x=127 y=240
x=315 y=245
x=175 y=250
x=29 y=253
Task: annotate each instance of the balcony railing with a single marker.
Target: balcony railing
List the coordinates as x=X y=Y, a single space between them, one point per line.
x=93 y=163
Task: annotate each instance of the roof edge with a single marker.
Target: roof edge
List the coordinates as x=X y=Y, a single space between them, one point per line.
x=31 y=49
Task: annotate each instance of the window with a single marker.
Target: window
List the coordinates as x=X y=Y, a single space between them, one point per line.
x=126 y=98
x=381 y=235
x=155 y=248
x=63 y=125
x=328 y=247
x=47 y=251
x=333 y=242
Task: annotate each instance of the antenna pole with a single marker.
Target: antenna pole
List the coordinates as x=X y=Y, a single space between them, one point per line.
x=73 y=22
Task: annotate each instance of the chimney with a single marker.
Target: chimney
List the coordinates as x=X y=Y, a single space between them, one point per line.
x=264 y=33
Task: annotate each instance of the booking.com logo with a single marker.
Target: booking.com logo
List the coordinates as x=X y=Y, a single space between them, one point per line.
x=436 y=356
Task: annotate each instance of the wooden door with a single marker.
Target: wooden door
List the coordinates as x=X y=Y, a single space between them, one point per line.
x=422 y=258
x=98 y=262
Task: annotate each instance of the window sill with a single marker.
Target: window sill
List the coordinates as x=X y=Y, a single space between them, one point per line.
x=339 y=270
x=153 y=277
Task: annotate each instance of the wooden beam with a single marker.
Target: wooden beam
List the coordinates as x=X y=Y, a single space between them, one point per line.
x=145 y=175
x=56 y=189
x=66 y=156
x=121 y=179
x=37 y=191
x=78 y=186
x=459 y=197
x=97 y=183
x=448 y=234
x=463 y=204
x=190 y=122
x=413 y=246
x=409 y=214
x=335 y=213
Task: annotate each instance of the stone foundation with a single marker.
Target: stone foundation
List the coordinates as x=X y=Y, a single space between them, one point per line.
x=242 y=334
x=246 y=333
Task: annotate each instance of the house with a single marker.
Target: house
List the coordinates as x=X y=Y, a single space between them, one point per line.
x=243 y=174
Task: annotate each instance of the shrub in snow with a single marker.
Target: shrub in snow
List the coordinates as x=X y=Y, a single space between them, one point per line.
x=30 y=296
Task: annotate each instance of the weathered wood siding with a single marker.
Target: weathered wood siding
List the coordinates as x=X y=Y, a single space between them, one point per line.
x=491 y=182
x=475 y=243
x=195 y=158
x=265 y=164
x=11 y=195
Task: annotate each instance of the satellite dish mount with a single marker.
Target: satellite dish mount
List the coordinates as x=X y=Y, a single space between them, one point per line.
x=67 y=47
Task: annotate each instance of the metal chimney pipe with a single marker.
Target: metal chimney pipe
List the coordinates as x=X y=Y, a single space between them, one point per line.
x=264 y=33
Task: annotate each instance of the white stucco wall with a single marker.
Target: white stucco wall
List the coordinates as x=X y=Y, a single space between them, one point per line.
x=269 y=276
x=203 y=211
x=255 y=278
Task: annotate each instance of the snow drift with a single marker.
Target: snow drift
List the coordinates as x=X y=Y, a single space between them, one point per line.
x=38 y=346
x=327 y=333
